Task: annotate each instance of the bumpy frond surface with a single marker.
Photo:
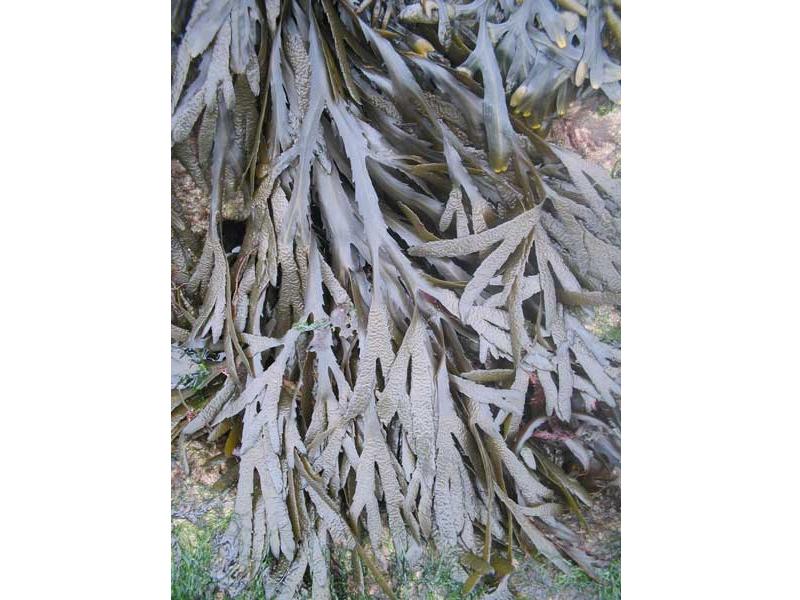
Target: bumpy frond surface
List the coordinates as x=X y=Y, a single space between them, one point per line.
x=400 y=332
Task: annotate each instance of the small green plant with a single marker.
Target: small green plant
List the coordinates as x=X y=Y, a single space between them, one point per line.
x=612 y=334
x=191 y=564
x=201 y=357
x=193 y=553
x=607 y=326
x=611 y=586
x=195 y=379
x=605 y=108
x=608 y=587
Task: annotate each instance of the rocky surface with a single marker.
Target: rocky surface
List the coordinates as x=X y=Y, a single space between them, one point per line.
x=593 y=129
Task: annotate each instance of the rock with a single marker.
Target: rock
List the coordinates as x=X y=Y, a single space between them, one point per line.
x=592 y=129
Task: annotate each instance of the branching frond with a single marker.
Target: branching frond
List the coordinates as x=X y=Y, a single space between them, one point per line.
x=401 y=328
